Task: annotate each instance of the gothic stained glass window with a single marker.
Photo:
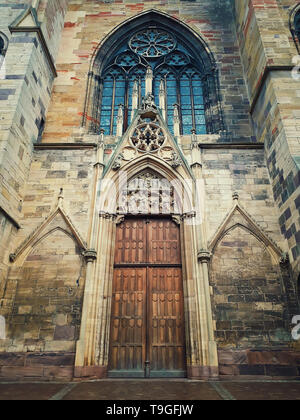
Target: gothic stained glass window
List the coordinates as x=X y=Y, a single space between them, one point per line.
x=174 y=68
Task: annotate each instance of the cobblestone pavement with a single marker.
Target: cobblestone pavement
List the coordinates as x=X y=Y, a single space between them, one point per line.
x=152 y=390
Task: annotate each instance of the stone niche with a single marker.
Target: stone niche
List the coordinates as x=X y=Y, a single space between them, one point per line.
x=46 y=310
x=248 y=301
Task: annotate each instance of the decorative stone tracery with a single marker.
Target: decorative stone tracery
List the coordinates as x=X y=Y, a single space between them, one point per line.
x=152 y=43
x=148 y=137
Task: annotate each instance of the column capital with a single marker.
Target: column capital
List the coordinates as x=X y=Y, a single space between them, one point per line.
x=189 y=215
x=90 y=255
x=204 y=256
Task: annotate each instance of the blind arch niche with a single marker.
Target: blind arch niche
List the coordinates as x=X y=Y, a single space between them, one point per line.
x=181 y=63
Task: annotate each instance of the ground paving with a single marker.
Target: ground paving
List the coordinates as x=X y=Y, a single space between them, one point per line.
x=153 y=390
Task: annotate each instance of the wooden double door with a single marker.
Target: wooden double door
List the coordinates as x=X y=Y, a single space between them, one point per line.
x=147 y=323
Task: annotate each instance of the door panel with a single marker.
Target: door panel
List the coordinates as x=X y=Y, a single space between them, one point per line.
x=128 y=322
x=163 y=242
x=131 y=242
x=166 y=323
x=147 y=321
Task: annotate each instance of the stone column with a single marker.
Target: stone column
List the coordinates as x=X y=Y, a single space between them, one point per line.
x=82 y=350
x=106 y=270
x=190 y=274
x=85 y=363
x=211 y=352
x=208 y=366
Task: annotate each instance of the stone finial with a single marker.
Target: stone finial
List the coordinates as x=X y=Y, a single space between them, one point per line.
x=285 y=259
x=235 y=196
x=162 y=99
x=61 y=197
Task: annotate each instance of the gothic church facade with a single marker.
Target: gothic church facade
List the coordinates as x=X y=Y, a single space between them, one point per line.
x=149 y=189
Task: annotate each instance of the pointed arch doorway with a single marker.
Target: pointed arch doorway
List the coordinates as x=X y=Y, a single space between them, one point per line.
x=147 y=336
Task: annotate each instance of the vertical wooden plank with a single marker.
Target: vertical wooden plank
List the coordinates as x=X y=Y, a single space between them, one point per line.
x=166 y=323
x=128 y=320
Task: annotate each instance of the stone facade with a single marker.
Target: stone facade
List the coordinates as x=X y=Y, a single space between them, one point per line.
x=55 y=251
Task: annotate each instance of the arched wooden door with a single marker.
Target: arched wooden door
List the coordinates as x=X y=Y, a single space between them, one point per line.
x=147 y=323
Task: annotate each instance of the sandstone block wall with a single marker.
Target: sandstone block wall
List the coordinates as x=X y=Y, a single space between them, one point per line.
x=267 y=50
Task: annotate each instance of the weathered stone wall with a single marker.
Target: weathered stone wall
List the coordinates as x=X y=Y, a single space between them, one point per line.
x=246 y=283
x=25 y=92
x=44 y=290
x=267 y=50
x=244 y=171
x=249 y=302
x=253 y=299
x=47 y=296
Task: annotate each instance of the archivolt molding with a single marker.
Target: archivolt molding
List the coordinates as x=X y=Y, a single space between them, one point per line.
x=248 y=223
x=35 y=237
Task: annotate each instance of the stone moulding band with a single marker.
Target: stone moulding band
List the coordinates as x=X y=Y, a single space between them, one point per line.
x=42 y=41
x=65 y=146
x=266 y=72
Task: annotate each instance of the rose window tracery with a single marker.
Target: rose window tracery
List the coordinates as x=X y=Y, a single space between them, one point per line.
x=148 y=137
x=152 y=43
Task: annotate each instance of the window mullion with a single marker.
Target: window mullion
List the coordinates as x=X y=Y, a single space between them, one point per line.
x=166 y=99
x=179 y=103
x=126 y=104
x=113 y=108
x=99 y=107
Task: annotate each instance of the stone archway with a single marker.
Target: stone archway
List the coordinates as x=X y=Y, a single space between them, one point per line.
x=93 y=347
